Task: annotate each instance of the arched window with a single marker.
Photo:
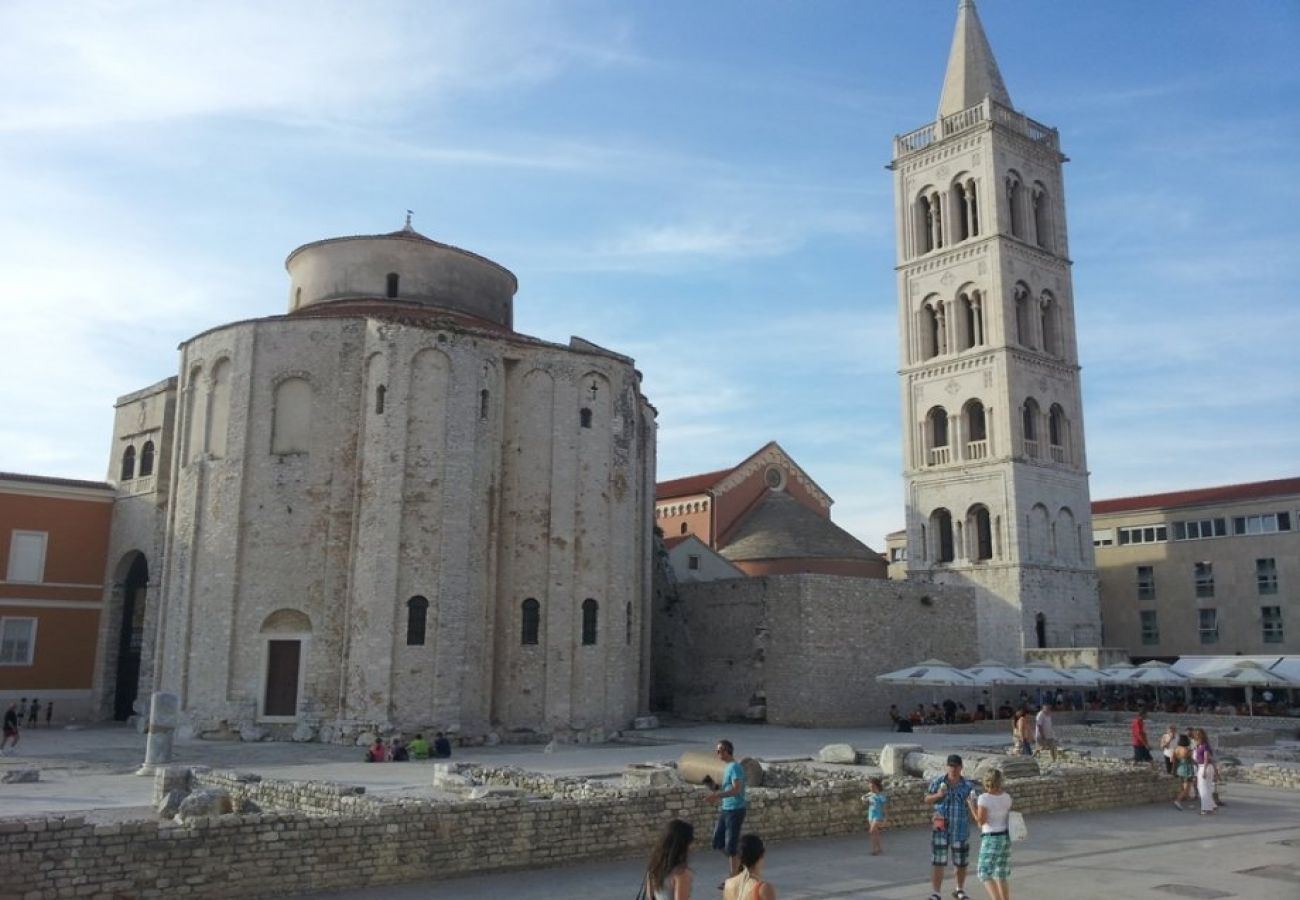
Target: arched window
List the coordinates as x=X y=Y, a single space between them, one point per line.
x=380 y=393
x=685 y=528
x=932 y=331
x=1029 y=426
x=941 y=526
x=979 y=532
x=291 y=416
x=483 y=403
x=1024 y=316
x=392 y=284
x=589 y=611
x=146 y=459
x=976 y=430
x=1042 y=216
x=960 y=215
x=972 y=319
x=1058 y=432
x=924 y=225
x=531 y=621
x=128 y=463
x=584 y=417
x=1047 y=312
x=417 y=616
x=1014 y=200
x=218 y=424
x=937 y=431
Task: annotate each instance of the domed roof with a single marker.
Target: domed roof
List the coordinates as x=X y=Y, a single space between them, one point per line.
x=780 y=527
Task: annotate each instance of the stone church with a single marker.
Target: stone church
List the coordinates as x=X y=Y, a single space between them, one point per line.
x=993 y=441
x=385 y=507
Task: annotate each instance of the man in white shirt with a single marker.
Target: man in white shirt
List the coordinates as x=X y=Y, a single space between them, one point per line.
x=1044 y=735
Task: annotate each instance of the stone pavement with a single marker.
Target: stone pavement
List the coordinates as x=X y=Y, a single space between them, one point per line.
x=1249 y=849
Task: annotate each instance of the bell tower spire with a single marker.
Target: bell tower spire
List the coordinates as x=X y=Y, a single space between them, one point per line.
x=972 y=71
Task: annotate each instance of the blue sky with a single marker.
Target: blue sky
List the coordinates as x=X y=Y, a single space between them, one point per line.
x=699 y=185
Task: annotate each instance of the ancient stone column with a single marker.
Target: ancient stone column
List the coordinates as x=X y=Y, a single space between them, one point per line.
x=164 y=712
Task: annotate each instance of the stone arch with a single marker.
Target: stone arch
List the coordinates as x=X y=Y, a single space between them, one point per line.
x=1029 y=428
x=1049 y=319
x=975 y=430
x=1040 y=205
x=1066 y=532
x=218 y=418
x=1038 y=524
x=286 y=636
x=1024 y=315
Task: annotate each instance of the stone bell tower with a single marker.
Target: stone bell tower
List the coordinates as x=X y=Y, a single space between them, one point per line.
x=993 y=440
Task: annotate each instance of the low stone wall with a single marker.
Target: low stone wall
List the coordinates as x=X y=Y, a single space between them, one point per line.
x=382 y=843
x=1270 y=774
x=317 y=797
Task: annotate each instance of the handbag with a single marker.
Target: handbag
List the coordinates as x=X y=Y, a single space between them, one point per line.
x=1016 y=826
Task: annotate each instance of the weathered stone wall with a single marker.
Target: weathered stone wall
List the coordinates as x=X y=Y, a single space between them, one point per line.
x=809 y=646
x=278 y=853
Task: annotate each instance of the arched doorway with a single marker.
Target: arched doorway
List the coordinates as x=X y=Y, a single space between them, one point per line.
x=130 y=637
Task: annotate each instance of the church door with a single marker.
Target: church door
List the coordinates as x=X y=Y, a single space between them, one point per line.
x=282 y=678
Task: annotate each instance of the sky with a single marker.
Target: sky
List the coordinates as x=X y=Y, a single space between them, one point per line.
x=699 y=185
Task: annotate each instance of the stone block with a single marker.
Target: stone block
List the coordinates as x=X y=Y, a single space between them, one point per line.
x=642 y=775
x=170 y=804
x=641 y=723
x=21 y=776
x=207 y=802
x=251 y=734
x=894 y=756
x=844 y=754
x=304 y=733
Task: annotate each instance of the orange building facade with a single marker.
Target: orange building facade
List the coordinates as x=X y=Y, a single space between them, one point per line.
x=54 y=535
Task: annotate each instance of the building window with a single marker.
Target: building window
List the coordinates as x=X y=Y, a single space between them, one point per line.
x=627 y=638
x=1266 y=575
x=128 y=463
x=381 y=393
x=1146 y=582
x=685 y=528
x=589 y=611
x=693 y=561
x=941 y=524
x=392 y=284
x=27 y=557
x=584 y=417
x=1204 y=573
x=1104 y=538
x=146 y=459
x=1201 y=529
x=979 y=532
x=483 y=403
x=532 y=621
x=1272 y=619
x=17 y=641
x=417 y=616
x=1144 y=534
x=1209 y=625
x=1150 y=628
x=1268 y=523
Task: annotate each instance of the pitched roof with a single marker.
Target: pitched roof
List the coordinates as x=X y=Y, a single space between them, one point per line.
x=972 y=71
x=1255 y=490
x=780 y=527
x=691 y=484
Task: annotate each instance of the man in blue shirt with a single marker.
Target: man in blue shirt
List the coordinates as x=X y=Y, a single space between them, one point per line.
x=950 y=827
x=726 y=836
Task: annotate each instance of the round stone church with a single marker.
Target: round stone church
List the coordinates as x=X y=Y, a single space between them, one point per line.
x=389 y=509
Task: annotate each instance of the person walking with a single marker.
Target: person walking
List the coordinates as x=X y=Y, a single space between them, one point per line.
x=876 y=801
x=33 y=712
x=1044 y=731
x=950 y=828
x=49 y=712
x=1168 y=743
x=1138 y=733
x=1024 y=732
x=1206 y=772
x=730 y=796
x=668 y=877
x=748 y=884
x=10 y=730
x=992 y=811
x=1184 y=770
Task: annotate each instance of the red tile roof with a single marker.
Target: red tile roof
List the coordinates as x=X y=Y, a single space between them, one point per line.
x=670 y=543
x=691 y=484
x=1256 y=490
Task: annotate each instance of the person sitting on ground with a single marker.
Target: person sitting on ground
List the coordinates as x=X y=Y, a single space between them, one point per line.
x=398 y=752
x=917 y=716
x=748 y=884
x=668 y=877
x=894 y=715
x=441 y=746
x=377 y=752
x=419 y=747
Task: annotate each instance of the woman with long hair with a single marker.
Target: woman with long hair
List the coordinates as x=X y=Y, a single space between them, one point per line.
x=749 y=883
x=1206 y=771
x=992 y=811
x=667 y=876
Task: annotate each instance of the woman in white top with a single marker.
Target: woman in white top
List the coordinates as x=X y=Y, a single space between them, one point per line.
x=667 y=876
x=991 y=811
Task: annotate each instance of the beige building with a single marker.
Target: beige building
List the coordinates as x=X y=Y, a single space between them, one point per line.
x=387 y=508
x=993 y=440
x=1208 y=571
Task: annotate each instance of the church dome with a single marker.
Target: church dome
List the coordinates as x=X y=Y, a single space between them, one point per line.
x=402 y=265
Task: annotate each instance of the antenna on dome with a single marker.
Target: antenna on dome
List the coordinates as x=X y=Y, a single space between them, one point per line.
x=407 y=226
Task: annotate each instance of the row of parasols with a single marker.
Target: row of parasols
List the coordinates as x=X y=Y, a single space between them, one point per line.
x=1224 y=672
